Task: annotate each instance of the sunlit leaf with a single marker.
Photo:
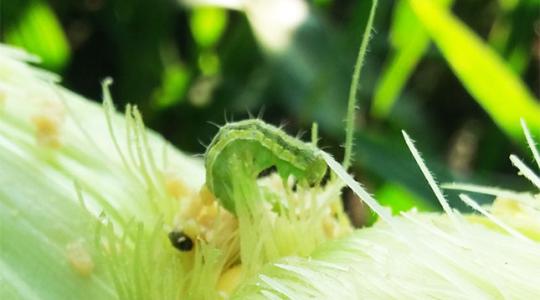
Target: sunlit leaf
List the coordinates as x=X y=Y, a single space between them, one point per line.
x=207 y=25
x=401 y=199
x=174 y=86
x=38 y=30
x=483 y=73
x=410 y=42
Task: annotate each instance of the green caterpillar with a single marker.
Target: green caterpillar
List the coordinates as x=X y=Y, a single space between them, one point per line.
x=242 y=150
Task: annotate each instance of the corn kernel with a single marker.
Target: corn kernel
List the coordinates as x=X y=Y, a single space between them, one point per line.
x=229 y=281
x=79 y=258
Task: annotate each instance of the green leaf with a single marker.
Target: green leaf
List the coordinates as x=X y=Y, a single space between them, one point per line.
x=483 y=73
x=410 y=42
x=207 y=25
x=38 y=30
x=399 y=198
x=175 y=81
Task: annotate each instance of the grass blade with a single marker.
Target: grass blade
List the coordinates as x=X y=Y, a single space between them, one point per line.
x=483 y=73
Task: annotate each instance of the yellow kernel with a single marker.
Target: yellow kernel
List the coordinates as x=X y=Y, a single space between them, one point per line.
x=207 y=215
x=206 y=196
x=506 y=206
x=175 y=186
x=229 y=281
x=47 y=124
x=193 y=208
x=191 y=228
x=330 y=227
x=79 y=258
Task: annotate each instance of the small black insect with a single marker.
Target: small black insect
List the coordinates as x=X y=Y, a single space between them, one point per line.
x=180 y=241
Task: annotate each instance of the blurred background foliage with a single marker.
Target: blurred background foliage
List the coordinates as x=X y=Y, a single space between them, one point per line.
x=455 y=74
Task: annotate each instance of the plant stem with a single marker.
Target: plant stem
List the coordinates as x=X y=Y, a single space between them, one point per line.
x=349 y=131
